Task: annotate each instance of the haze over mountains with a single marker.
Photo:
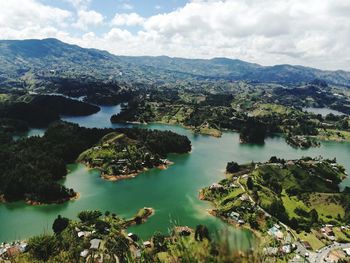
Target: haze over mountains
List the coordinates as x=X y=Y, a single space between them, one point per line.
x=22 y=61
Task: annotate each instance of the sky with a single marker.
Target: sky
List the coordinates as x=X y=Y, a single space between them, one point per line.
x=312 y=33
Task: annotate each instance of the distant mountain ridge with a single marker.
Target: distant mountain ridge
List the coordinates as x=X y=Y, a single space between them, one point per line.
x=20 y=60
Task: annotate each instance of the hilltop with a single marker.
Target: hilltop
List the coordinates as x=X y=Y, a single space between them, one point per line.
x=41 y=63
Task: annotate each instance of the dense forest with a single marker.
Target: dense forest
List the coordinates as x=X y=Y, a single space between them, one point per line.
x=31 y=167
x=40 y=110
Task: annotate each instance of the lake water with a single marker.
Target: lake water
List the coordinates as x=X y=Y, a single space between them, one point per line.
x=323 y=111
x=173 y=193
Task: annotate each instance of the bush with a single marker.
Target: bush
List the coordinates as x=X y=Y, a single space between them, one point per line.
x=42 y=247
x=86 y=216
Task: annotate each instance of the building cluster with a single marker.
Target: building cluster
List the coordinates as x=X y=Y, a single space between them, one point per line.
x=10 y=250
x=285 y=245
x=327 y=232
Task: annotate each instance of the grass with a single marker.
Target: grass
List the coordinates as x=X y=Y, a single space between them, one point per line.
x=325 y=207
x=112 y=137
x=312 y=239
x=269 y=109
x=210 y=131
x=226 y=202
x=340 y=236
x=3 y=97
x=334 y=135
x=142 y=212
x=291 y=203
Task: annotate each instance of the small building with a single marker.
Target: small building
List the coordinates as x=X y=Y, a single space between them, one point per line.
x=244 y=197
x=13 y=251
x=84 y=253
x=216 y=186
x=347 y=251
x=241 y=222
x=288 y=239
x=147 y=244
x=133 y=236
x=307 y=245
x=271 y=251
x=138 y=253
x=328 y=232
x=286 y=249
x=95 y=243
x=84 y=233
x=235 y=216
x=183 y=230
x=23 y=247
x=290 y=162
x=2 y=251
x=122 y=161
x=275 y=232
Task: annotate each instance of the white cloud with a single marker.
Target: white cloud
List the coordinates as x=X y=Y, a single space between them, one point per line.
x=88 y=18
x=308 y=32
x=80 y=4
x=127 y=6
x=31 y=19
x=131 y=19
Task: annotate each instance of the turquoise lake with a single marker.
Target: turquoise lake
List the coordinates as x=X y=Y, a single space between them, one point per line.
x=173 y=192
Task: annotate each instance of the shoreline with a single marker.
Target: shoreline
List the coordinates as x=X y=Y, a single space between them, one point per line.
x=2 y=199
x=115 y=178
x=149 y=212
x=235 y=224
x=37 y=203
x=216 y=133
x=229 y=221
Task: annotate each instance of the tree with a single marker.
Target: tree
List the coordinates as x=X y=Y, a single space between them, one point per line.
x=313 y=216
x=250 y=183
x=232 y=167
x=60 y=224
x=273 y=159
x=253 y=223
x=276 y=187
x=294 y=223
x=159 y=242
x=101 y=226
x=253 y=131
x=278 y=210
x=201 y=233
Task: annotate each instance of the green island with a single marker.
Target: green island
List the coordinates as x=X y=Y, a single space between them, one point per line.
x=32 y=167
x=289 y=204
x=121 y=157
x=255 y=119
x=98 y=237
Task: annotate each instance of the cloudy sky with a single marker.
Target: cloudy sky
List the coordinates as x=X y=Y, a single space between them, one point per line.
x=307 y=32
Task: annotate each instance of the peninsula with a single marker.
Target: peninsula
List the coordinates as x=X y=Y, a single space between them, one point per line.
x=285 y=201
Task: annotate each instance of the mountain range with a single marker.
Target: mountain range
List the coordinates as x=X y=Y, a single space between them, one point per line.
x=23 y=62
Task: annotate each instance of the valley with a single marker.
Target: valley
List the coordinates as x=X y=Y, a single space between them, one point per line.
x=72 y=132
